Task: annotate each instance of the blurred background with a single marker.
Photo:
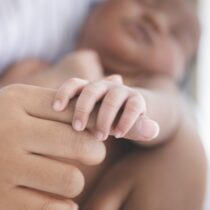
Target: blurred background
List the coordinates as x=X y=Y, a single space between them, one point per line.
x=203 y=72
x=202 y=81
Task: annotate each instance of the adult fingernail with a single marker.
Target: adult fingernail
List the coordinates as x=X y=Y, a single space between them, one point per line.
x=77 y=125
x=57 y=106
x=149 y=129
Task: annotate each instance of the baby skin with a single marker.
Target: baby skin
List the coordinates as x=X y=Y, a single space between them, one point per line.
x=149 y=43
x=112 y=95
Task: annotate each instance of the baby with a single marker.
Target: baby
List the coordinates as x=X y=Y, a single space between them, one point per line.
x=150 y=44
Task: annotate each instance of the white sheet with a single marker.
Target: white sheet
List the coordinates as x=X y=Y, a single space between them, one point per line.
x=44 y=29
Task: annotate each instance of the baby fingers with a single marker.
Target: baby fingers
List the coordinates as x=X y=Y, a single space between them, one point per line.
x=86 y=102
x=114 y=101
x=134 y=107
x=67 y=91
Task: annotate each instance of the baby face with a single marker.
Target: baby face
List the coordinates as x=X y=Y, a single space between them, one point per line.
x=147 y=36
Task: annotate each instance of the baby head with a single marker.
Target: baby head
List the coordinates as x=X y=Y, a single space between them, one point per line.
x=151 y=36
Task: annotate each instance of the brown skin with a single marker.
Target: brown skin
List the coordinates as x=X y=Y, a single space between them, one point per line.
x=135 y=36
x=149 y=164
x=150 y=44
x=167 y=177
x=53 y=77
x=31 y=134
x=131 y=59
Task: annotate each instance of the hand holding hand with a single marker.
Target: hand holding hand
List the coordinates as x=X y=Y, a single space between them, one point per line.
x=32 y=136
x=121 y=107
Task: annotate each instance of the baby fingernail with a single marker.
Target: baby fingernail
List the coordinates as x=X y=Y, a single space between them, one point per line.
x=77 y=125
x=149 y=129
x=57 y=105
x=118 y=135
x=100 y=136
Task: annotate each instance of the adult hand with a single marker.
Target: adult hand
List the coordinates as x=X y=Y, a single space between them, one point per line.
x=31 y=132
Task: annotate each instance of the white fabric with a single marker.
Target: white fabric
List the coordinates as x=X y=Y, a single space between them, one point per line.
x=39 y=28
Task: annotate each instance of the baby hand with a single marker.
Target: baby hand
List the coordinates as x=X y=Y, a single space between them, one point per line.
x=120 y=108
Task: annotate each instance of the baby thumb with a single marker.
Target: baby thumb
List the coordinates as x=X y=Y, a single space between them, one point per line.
x=144 y=129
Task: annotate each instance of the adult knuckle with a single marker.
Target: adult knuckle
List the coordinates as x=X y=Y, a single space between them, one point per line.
x=72 y=182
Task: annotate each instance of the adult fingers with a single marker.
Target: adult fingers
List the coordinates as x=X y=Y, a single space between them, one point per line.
x=50 y=176
x=56 y=139
x=23 y=198
x=38 y=102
